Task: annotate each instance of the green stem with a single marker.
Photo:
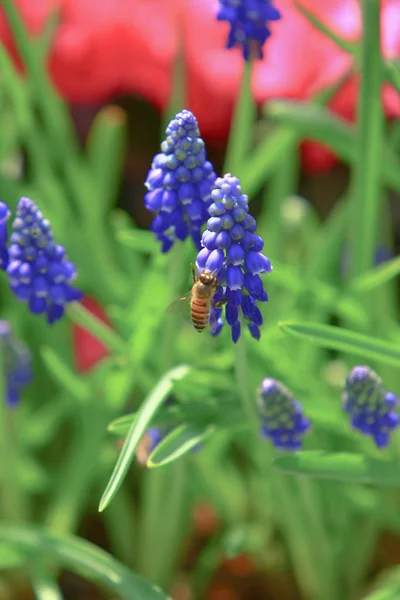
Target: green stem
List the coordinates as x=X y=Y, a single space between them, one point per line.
x=248 y=401
x=240 y=136
x=10 y=496
x=76 y=477
x=283 y=183
x=161 y=530
x=367 y=169
x=79 y=315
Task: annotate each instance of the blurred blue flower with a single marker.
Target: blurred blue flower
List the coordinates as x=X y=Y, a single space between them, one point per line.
x=371 y=407
x=39 y=271
x=248 y=21
x=150 y=440
x=283 y=420
x=17 y=364
x=5 y=214
x=179 y=183
x=232 y=251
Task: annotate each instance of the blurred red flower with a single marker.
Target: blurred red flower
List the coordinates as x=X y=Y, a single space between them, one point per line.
x=106 y=47
x=88 y=351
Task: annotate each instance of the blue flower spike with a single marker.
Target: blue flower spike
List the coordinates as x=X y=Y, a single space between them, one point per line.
x=371 y=407
x=233 y=251
x=17 y=364
x=249 y=24
x=5 y=214
x=282 y=417
x=39 y=271
x=179 y=183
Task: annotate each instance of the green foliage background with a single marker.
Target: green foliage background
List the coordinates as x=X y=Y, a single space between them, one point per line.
x=58 y=449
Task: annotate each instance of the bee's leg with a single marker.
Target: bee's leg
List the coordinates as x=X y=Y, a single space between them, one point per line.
x=193 y=273
x=220 y=303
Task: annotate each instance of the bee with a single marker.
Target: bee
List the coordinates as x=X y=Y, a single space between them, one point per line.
x=200 y=297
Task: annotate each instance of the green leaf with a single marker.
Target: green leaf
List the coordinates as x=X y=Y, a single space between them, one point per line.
x=393 y=73
x=264 y=160
x=81 y=557
x=64 y=376
x=367 y=171
x=376 y=277
x=312 y=121
x=10 y=557
x=84 y=318
x=178 y=443
x=240 y=135
x=336 y=338
x=341 y=43
x=355 y=468
x=105 y=153
x=139 y=240
x=144 y=418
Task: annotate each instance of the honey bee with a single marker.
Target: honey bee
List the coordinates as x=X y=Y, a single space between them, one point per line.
x=200 y=297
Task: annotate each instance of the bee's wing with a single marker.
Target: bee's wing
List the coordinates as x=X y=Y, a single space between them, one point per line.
x=180 y=305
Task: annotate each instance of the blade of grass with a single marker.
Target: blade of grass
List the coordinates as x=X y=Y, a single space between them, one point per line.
x=367 y=169
x=240 y=135
x=81 y=557
x=335 y=338
x=376 y=277
x=355 y=468
x=142 y=422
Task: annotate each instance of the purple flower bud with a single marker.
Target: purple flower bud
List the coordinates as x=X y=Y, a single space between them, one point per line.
x=234 y=277
x=235 y=332
x=231 y=313
x=215 y=261
x=202 y=258
x=236 y=254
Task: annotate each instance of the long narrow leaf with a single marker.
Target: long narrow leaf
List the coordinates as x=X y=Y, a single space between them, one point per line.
x=328 y=336
x=355 y=468
x=144 y=418
x=179 y=442
x=81 y=557
x=376 y=277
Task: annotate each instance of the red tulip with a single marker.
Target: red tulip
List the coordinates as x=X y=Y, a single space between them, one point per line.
x=106 y=47
x=87 y=349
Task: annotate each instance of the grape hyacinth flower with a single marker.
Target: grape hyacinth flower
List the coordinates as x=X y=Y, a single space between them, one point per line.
x=17 y=364
x=248 y=21
x=151 y=438
x=5 y=214
x=371 y=407
x=232 y=250
x=39 y=271
x=179 y=183
x=283 y=420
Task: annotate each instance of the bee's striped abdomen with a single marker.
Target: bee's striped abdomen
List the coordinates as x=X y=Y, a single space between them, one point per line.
x=199 y=314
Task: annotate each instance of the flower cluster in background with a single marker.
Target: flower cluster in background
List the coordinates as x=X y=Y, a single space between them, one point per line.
x=17 y=364
x=282 y=417
x=371 y=407
x=179 y=183
x=38 y=269
x=233 y=250
x=248 y=21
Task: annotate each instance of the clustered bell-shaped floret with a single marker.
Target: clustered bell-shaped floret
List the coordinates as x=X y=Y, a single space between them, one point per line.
x=5 y=214
x=371 y=407
x=39 y=271
x=179 y=183
x=233 y=251
x=283 y=420
x=17 y=363
x=248 y=21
